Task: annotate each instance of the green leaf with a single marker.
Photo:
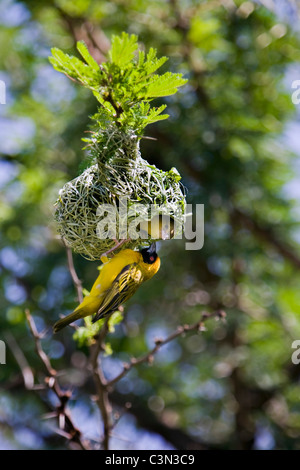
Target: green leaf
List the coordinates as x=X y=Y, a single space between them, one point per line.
x=87 y=75
x=123 y=49
x=107 y=349
x=114 y=320
x=82 y=48
x=152 y=63
x=164 y=85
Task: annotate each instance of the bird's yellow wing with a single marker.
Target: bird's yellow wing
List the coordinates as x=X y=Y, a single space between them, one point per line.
x=122 y=288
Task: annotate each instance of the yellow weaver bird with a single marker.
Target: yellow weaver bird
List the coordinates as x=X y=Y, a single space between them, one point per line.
x=118 y=280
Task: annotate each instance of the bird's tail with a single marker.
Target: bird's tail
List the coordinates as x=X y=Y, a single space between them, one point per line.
x=68 y=319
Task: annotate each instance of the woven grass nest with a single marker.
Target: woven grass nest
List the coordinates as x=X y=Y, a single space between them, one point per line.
x=118 y=170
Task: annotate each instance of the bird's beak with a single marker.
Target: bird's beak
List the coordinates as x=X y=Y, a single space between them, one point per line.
x=152 y=248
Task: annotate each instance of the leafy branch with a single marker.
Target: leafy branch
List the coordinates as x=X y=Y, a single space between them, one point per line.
x=125 y=84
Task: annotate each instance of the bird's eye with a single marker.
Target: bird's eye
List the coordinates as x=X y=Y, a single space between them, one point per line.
x=151 y=258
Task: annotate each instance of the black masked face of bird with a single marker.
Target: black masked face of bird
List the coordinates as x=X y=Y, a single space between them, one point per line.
x=149 y=254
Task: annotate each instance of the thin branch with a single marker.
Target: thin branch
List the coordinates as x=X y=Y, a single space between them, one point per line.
x=103 y=387
x=37 y=339
x=101 y=384
x=67 y=427
x=77 y=282
x=159 y=343
x=21 y=360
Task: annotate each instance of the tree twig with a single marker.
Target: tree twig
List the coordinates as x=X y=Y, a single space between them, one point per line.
x=149 y=356
x=21 y=360
x=77 y=282
x=102 y=398
x=66 y=425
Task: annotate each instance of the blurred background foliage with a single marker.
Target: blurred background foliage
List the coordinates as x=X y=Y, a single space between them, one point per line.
x=232 y=134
